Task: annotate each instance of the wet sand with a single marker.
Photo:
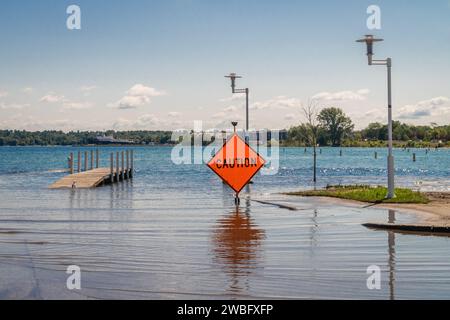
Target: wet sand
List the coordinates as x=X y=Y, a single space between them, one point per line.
x=436 y=213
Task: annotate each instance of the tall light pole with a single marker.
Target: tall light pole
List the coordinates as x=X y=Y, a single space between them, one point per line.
x=370 y=40
x=233 y=78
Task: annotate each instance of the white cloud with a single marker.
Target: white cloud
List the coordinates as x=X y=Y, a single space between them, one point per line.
x=77 y=105
x=140 y=90
x=230 y=109
x=426 y=108
x=174 y=114
x=290 y=116
x=234 y=97
x=28 y=90
x=3 y=94
x=227 y=113
x=16 y=106
x=347 y=95
x=280 y=102
x=137 y=96
x=219 y=115
x=66 y=103
x=52 y=98
x=88 y=88
x=146 y=121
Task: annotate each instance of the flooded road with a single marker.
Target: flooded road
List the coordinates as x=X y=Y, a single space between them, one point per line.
x=128 y=247
x=175 y=233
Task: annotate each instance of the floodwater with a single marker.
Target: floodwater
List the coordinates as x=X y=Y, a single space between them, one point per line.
x=173 y=232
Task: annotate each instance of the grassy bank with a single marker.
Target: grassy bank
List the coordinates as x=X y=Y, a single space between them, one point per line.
x=365 y=194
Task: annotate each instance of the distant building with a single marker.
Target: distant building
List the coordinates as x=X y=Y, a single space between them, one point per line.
x=111 y=140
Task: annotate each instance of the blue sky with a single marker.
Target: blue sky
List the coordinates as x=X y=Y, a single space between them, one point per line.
x=160 y=64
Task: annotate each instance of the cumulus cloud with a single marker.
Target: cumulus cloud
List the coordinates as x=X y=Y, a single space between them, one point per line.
x=68 y=105
x=15 y=106
x=137 y=96
x=227 y=113
x=52 y=98
x=146 y=121
x=230 y=109
x=88 y=88
x=347 y=95
x=280 y=102
x=432 y=107
x=289 y=116
x=24 y=122
x=28 y=90
x=234 y=97
x=174 y=114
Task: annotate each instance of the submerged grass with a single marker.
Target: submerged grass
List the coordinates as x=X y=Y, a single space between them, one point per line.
x=366 y=194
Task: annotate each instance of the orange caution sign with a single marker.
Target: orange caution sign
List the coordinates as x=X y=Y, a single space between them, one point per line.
x=236 y=163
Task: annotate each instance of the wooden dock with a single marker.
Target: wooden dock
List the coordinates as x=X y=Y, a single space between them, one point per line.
x=92 y=177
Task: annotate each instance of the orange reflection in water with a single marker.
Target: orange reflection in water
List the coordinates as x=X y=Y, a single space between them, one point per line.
x=237 y=243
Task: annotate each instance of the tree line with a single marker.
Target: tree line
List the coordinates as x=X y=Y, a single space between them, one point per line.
x=51 y=137
x=332 y=127
x=329 y=127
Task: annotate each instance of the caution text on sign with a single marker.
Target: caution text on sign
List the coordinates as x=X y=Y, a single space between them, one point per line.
x=236 y=163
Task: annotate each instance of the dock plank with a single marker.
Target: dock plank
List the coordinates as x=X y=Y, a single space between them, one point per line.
x=87 y=179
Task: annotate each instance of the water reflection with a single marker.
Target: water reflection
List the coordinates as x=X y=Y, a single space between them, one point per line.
x=237 y=246
x=391 y=260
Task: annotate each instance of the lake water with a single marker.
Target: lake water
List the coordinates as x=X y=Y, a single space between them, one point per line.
x=173 y=232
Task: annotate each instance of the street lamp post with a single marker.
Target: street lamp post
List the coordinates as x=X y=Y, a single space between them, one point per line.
x=233 y=78
x=370 y=40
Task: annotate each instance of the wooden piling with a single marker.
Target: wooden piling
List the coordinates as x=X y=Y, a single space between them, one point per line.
x=90 y=177
x=132 y=164
x=112 y=167
x=79 y=161
x=127 y=172
x=71 y=163
x=340 y=153
x=376 y=155
x=414 y=157
x=123 y=166
x=117 y=167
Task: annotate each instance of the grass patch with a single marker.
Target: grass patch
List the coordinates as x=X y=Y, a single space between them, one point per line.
x=365 y=194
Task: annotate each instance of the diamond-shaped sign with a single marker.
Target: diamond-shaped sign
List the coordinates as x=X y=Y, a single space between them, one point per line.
x=236 y=163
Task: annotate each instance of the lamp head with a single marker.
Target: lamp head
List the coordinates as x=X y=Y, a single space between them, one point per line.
x=233 y=78
x=369 y=40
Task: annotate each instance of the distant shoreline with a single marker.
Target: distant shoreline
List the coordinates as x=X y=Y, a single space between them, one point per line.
x=172 y=145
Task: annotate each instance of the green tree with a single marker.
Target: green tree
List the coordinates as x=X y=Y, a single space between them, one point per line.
x=336 y=125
